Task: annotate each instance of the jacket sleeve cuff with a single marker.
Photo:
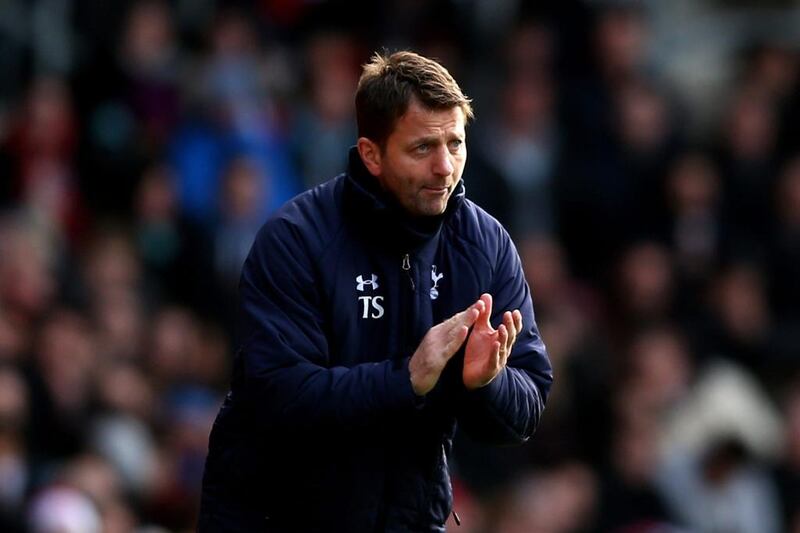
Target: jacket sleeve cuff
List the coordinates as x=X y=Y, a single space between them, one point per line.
x=488 y=393
x=401 y=388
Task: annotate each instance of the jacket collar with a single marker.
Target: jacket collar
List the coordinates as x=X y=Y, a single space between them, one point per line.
x=379 y=212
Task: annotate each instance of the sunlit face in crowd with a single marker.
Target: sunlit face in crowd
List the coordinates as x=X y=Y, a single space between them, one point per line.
x=423 y=158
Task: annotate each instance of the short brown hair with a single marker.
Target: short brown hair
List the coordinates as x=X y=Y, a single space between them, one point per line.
x=389 y=81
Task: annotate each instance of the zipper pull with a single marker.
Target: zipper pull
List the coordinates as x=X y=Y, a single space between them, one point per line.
x=456 y=518
x=407 y=269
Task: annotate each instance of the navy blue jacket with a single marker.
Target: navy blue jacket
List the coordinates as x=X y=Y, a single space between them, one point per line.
x=321 y=430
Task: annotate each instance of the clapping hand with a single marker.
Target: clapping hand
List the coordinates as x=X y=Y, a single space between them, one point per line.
x=488 y=348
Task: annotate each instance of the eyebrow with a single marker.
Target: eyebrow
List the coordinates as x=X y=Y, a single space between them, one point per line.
x=431 y=139
x=428 y=139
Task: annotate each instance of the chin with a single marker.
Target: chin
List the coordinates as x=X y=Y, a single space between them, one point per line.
x=427 y=209
x=433 y=211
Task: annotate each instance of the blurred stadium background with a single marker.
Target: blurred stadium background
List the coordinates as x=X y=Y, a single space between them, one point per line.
x=644 y=155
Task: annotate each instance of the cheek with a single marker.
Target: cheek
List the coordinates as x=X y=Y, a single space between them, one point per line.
x=413 y=175
x=458 y=167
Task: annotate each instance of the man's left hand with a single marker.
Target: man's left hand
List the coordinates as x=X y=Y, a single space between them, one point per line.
x=488 y=348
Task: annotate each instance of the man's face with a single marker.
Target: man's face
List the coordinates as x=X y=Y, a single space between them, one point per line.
x=424 y=158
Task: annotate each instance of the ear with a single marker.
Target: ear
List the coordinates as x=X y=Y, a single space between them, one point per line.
x=370 y=154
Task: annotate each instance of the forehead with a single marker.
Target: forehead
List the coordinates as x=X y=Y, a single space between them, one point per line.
x=422 y=121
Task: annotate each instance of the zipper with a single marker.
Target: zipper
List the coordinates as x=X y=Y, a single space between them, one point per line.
x=408 y=308
x=407 y=270
x=406 y=266
x=453 y=512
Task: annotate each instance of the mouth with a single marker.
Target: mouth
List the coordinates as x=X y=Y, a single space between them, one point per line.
x=436 y=190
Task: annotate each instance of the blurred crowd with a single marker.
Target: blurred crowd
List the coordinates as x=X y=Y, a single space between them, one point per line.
x=143 y=143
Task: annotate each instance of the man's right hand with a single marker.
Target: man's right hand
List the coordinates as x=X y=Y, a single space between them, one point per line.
x=437 y=347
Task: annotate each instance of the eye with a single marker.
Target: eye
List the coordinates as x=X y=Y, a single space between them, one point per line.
x=422 y=148
x=455 y=144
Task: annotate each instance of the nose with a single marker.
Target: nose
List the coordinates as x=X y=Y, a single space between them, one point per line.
x=442 y=163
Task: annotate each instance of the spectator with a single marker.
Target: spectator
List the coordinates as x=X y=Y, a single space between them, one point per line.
x=326 y=114
x=747 y=161
x=694 y=225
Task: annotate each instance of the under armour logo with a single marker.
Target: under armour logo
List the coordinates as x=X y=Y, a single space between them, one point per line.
x=435 y=278
x=371 y=306
x=361 y=282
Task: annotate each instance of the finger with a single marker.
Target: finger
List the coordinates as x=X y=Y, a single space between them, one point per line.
x=508 y=320
x=456 y=340
x=518 y=329
x=486 y=315
x=470 y=316
x=502 y=338
x=497 y=357
x=466 y=317
x=478 y=306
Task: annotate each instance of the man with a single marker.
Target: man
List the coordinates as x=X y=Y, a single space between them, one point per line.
x=367 y=331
